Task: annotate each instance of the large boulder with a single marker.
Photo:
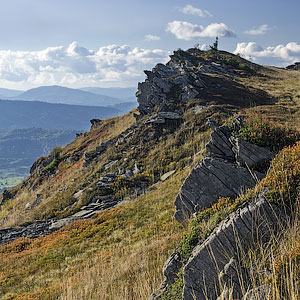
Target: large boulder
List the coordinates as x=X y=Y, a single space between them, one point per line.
x=167 y=84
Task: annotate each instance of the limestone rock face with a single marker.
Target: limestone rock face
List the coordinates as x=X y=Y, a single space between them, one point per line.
x=235 y=235
x=249 y=155
x=167 y=84
x=211 y=179
x=224 y=173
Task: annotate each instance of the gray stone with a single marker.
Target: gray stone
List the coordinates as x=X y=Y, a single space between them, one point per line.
x=249 y=155
x=242 y=230
x=136 y=169
x=209 y=180
x=226 y=172
x=128 y=174
x=110 y=164
x=198 y=109
x=95 y=122
x=169 y=115
x=78 y=194
x=219 y=146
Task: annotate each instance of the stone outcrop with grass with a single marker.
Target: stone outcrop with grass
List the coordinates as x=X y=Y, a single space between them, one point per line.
x=228 y=171
x=206 y=274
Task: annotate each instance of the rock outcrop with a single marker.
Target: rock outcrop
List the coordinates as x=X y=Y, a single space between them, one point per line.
x=41 y=228
x=190 y=75
x=166 y=84
x=241 y=231
x=295 y=66
x=226 y=172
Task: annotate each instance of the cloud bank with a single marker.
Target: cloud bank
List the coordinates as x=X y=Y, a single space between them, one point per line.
x=278 y=55
x=191 y=10
x=262 y=29
x=150 y=37
x=187 y=31
x=76 y=66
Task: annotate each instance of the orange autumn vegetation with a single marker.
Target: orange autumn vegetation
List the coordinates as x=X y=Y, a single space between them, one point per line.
x=134 y=238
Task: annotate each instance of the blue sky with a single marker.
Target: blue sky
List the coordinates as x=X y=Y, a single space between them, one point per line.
x=109 y=43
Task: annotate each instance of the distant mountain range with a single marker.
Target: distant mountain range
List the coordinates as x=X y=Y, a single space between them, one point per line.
x=63 y=95
x=27 y=114
x=56 y=111
x=6 y=93
x=89 y=96
x=120 y=93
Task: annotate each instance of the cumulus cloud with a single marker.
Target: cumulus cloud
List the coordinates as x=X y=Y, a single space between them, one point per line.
x=262 y=29
x=150 y=37
x=279 y=55
x=77 y=66
x=191 y=10
x=187 y=31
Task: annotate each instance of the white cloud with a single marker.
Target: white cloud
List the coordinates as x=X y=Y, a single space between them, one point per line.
x=279 y=55
x=76 y=66
x=202 y=47
x=191 y=10
x=262 y=29
x=150 y=37
x=187 y=31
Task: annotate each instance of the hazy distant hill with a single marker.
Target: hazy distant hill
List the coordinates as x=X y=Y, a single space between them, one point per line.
x=27 y=114
x=125 y=106
x=7 y=93
x=32 y=142
x=21 y=147
x=121 y=93
x=64 y=95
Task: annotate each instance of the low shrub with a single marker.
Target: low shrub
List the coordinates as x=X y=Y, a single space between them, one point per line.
x=283 y=179
x=266 y=133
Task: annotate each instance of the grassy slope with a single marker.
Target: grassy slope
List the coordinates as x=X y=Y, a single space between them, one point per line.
x=120 y=253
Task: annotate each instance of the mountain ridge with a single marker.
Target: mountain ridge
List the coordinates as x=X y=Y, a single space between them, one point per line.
x=144 y=161
x=64 y=95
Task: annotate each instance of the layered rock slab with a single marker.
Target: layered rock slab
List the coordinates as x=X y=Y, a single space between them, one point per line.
x=226 y=172
x=242 y=230
x=211 y=179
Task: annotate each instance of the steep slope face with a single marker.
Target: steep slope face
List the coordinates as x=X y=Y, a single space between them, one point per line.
x=119 y=252
x=117 y=166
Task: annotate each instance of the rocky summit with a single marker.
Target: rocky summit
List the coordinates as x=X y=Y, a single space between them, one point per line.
x=188 y=75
